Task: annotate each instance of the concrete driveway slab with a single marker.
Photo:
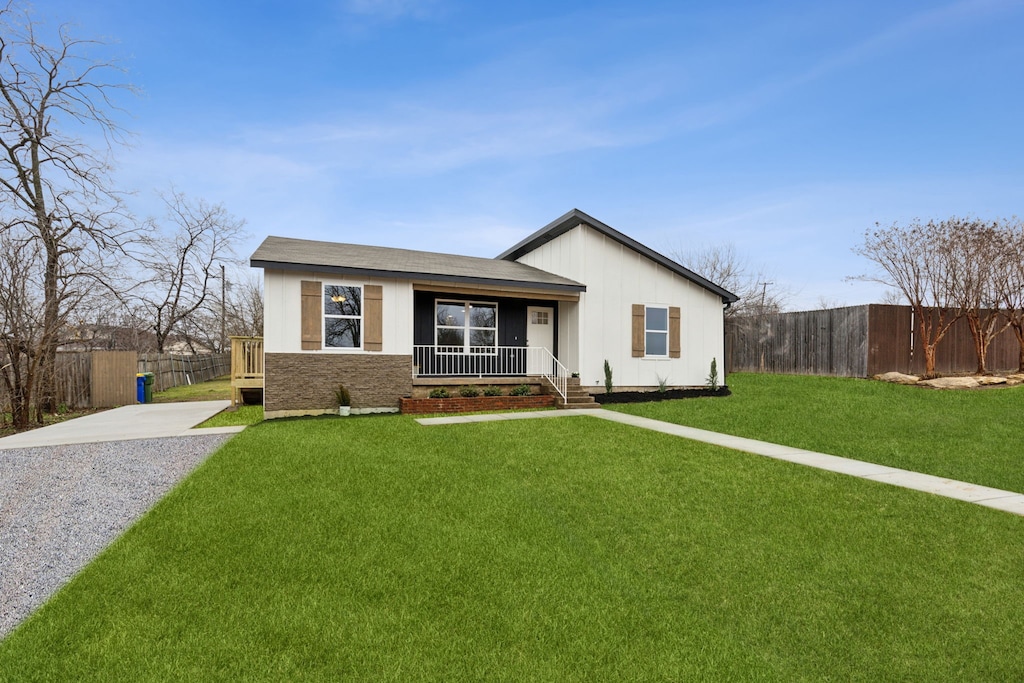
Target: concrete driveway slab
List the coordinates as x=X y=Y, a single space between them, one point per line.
x=139 y=421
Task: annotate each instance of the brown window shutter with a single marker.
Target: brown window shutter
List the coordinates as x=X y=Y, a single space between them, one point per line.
x=373 y=318
x=639 y=323
x=312 y=316
x=674 y=350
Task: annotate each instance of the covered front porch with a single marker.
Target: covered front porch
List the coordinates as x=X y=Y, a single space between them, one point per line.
x=435 y=366
x=513 y=336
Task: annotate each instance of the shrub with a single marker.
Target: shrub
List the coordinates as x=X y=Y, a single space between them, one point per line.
x=607 y=377
x=439 y=392
x=521 y=390
x=662 y=384
x=469 y=391
x=492 y=391
x=342 y=396
x=713 y=377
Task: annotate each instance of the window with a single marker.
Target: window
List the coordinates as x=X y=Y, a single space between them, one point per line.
x=539 y=318
x=343 y=316
x=656 y=331
x=466 y=326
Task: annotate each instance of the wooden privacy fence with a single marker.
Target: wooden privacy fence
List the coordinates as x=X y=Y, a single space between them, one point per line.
x=91 y=379
x=104 y=379
x=172 y=370
x=855 y=341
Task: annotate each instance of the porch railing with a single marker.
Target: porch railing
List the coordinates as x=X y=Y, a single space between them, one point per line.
x=246 y=365
x=490 y=361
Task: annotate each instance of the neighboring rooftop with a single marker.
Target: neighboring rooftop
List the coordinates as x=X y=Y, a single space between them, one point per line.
x=287 y=253
x=576 y=217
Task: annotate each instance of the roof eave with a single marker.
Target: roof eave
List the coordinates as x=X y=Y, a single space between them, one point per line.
x=406 y=275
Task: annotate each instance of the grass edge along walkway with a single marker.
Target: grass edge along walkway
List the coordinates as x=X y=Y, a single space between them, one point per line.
x=1006 y=501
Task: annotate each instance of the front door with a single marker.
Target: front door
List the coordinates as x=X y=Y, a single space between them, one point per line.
x=540 y=333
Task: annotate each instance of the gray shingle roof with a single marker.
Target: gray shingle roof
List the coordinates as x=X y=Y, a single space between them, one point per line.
x=288 y=253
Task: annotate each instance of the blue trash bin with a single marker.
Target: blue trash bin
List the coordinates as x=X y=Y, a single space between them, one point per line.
x=140 y=387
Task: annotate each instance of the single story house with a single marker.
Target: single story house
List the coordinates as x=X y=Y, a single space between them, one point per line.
x=568 y=297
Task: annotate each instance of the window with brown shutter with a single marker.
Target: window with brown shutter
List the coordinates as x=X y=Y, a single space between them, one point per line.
x=639 y=313
x=674 y=346
x=373 y=318
x=352 y=316
x=312 y=316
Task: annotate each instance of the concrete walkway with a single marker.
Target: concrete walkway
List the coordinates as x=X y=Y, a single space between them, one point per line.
x=139 y=421
x=1007 y=501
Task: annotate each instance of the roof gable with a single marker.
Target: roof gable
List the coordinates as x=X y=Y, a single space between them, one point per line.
x=576 y=218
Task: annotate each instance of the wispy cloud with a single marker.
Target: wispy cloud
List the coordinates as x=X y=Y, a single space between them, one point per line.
x=900 y=33
x=443 y=131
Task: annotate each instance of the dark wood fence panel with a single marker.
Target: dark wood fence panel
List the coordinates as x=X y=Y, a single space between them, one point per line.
x=828 y=342
x=856 y=341
x=955 y=353
x=73 y=373
x=890 y=339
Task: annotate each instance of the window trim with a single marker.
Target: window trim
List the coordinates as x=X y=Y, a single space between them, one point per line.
x=666 y=331
x=466 y=328
x=324 y=316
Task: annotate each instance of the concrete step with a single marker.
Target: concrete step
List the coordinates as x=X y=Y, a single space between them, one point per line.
x=579 y=401
x=579 y=406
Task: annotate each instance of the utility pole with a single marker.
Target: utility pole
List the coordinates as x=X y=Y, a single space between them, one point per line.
x=761 y=318
x=764 y=291
x=223 y=308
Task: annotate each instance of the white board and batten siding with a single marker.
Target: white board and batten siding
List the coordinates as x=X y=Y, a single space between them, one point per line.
x=283 y=322
x=600 y=327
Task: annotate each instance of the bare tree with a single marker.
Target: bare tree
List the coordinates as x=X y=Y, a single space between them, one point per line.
x=974 y=254
x=239 y=312
x=757 y=291
x=57 y=183
x=914 y=259
x=183 y=265
x=1009 y=280
x=245 y=306
x=824 y=303
x=20 y=323
x=892 y=298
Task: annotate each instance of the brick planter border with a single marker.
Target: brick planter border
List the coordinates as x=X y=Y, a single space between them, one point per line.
x=460 y=404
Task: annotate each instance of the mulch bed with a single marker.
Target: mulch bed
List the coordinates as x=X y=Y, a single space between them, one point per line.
x=647 y=396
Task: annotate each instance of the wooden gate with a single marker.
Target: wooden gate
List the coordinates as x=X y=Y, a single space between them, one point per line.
x=112 y=378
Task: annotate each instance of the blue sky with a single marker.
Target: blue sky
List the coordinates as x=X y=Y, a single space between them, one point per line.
x=784 y=128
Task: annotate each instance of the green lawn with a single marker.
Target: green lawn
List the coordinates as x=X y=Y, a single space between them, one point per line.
x=372 y=548
x=973 y=436
x=241 y=416
x=214 y=390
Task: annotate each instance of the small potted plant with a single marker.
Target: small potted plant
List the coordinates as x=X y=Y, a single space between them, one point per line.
x=344 y=400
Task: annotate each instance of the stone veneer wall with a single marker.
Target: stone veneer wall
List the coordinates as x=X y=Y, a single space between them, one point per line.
x=305 y=382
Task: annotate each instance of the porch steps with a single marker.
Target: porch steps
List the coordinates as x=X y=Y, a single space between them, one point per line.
x=576 y=397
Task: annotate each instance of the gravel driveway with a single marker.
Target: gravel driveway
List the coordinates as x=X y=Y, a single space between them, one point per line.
x=61 y=505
